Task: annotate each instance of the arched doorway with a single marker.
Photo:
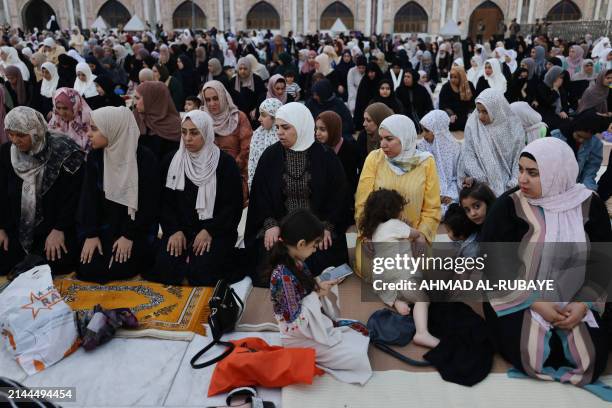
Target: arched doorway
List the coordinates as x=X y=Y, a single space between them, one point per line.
x=263 y=16
x=490 y=14
x=334 y=11
x=114 y=13
x=565 y=10
x=411 y=18
x=183 y=17
x=36 y=14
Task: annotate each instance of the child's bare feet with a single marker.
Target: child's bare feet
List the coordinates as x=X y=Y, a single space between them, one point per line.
x=425 y=339
x=401 y=307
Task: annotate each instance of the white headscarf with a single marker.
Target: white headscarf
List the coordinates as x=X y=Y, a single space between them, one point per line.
x=49 y=42
x=474 y=74
x=490 y=152
x=324 y=64
x=500 y=53
x=75 y=55
x=402 y=127
x=13 y=59
x=530 y=119
x=445 y=150
x=200 y=167
x=120 y=177
x=562 y=197
x=299 y=116
x=87 y=89
x=47 y=88
x=600 y=47
x=512 y=64
x=497 y=80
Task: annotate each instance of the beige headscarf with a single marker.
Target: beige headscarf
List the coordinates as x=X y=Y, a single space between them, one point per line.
x=228 y=118
x=118 y=125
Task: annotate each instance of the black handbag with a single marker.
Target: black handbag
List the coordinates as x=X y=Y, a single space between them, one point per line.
x=225 y=310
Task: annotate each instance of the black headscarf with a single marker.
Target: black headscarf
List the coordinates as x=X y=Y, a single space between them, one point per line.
x=66 y=70
x=187 y=75
x=342 y=68
x=99 y=69
x=391 y=101
x=323 y=88
x=110 y=97
x=368 y=89
x=414 y=98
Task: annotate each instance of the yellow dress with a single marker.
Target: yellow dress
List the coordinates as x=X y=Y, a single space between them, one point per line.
x=420 y=187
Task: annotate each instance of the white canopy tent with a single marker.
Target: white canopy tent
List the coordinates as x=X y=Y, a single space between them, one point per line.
x=450 y=29
x=338 y=27
x=99 y=24
x=135 y=24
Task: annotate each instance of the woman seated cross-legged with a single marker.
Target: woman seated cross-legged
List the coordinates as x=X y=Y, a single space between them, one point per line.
x=297 y=173
x=201 y=209
x=40 y=177
x=119 y=199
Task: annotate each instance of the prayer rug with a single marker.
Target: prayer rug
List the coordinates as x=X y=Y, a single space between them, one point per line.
x=3 y=283
x=169 y=312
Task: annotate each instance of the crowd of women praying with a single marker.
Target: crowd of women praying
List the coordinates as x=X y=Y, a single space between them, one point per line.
x=309 y=137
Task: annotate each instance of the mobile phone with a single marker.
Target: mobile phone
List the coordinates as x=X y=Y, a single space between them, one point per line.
x=339 y=272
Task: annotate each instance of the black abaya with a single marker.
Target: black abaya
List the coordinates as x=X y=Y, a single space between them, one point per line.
x=109 y=221
x=178 y=213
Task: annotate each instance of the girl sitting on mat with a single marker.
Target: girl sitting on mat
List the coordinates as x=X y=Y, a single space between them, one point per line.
x=303 y=307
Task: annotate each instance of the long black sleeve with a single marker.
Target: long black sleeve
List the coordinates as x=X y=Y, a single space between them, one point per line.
x=68 y=190
x=92 y=199
x=4 y=189
x=228 y=202
x=148 y=196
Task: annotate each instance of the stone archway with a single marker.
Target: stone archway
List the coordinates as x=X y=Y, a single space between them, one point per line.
x=263 y=15
x=490 y=15
x=36 y=14
x=114 y=13
x=411 y=18
x=334 y=11
x=187 y=14
x=565 y=10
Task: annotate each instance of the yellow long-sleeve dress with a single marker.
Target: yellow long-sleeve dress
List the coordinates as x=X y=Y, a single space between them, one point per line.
x=420 y=187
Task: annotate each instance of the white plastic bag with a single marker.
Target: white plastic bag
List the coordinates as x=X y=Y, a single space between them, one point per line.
x=38 y=328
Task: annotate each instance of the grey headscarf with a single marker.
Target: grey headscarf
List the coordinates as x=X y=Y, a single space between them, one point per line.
x=40 y=167
x=551 y=76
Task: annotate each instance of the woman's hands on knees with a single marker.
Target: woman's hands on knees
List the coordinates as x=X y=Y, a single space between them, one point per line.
x=177 y=243
x=4 y=241
x=54 y=245
x=271 y=237
x=326 y=242
x=202 y=243
x=122 y=248
x=89 y=249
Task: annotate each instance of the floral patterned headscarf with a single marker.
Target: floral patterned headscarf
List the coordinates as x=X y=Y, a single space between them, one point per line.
x=78 y=127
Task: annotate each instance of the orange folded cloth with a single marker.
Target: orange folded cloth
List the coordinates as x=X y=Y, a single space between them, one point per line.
x=255 y=363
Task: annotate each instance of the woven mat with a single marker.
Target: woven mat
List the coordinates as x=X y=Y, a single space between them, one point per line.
x=429 y=390
x=168 y=312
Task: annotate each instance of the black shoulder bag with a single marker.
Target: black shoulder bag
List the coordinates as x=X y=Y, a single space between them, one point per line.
x=225 y=310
